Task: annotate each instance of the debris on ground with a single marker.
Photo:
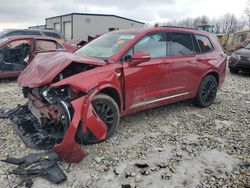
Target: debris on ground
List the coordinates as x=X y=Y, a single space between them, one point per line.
x=37 y=165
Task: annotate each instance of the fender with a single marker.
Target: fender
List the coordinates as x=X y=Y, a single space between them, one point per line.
x=95 y=81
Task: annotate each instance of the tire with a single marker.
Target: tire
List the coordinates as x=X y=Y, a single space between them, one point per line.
x=234 y=71
x=101 y=102
x=207 y=92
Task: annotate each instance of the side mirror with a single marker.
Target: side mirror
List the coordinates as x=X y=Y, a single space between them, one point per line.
x=139 y=57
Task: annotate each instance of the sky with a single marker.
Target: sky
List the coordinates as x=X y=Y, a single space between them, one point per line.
x=24 y=13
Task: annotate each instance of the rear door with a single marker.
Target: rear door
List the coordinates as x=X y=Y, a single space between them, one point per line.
x=184 y=64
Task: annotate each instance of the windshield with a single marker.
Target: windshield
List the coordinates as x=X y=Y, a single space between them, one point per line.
x=3 y=32
x=247 y=46
x=106 y=45
x=3 y=39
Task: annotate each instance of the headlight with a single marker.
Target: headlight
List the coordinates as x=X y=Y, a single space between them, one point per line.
x=235 y=56
x=54 y=94
x=62 y=93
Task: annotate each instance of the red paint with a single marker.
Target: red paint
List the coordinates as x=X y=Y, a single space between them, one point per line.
x=68 y=149
x=95 y=124
x=161 y=80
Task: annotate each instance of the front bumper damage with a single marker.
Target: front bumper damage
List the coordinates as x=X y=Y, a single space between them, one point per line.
x=36 y=135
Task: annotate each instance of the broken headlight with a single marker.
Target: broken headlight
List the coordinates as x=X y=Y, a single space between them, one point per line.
x=55 y=94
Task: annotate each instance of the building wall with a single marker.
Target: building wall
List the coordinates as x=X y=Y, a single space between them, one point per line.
x=85 y=25
x=88 y=25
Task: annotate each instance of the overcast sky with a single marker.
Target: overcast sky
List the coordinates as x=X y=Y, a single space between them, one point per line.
x=24 y=13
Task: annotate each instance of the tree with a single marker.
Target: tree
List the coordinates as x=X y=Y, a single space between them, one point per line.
x=246 y=16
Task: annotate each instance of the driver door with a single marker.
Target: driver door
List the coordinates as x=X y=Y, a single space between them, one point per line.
x=147 y=82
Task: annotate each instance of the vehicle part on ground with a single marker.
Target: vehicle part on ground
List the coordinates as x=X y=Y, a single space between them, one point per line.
x=5 y=112
x=207 y=91
x=37 y=165
x=34 y=134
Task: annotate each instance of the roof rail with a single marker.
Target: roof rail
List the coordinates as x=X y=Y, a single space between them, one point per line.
x=179 y=27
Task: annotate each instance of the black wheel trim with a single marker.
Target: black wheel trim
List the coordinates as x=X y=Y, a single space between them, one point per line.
x=209 y=90
x=105 y=112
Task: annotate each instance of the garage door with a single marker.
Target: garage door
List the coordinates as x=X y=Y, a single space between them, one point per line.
x=67 y=30
x=57 y=27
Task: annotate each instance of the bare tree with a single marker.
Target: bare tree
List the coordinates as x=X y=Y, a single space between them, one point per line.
x=228 y=23
x=246 y=16
x=225 y=24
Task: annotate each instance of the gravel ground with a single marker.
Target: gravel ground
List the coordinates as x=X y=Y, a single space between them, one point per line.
x=177 y=145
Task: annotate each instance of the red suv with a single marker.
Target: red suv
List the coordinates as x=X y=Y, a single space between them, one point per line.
x=82 y=95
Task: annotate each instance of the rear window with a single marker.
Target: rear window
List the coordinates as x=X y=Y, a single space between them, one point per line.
x=52 y=34
x=14 y=33
x=47 y=45
x=182 y=44
x=204 y=43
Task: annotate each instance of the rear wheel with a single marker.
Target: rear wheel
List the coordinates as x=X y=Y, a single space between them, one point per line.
x=108 y=110
x=207 y=92
x=234 y=71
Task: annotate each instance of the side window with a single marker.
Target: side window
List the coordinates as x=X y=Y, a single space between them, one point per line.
x=204 y=43
x=154 y=44
x=51 y=34
x=182 y=44
x=46 y=45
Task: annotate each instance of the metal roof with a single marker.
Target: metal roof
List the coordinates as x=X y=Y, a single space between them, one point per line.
x=88 y=14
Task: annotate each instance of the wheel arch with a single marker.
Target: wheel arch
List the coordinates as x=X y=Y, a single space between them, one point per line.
x=113 y=93
x=213 y=73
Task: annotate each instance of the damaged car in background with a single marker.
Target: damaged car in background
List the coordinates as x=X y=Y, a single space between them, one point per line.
x=79 y=97
x=18 y=51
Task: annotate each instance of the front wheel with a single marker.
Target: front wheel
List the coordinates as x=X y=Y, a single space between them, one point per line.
x=108 y=110
x=207 y=92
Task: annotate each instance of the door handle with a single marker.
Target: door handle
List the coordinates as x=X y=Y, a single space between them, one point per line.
x=165 y=64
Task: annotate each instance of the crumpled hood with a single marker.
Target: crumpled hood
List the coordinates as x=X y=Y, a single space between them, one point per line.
x=46 y=66
x=243 y=52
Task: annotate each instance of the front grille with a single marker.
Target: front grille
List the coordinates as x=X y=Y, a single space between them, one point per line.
x=244 y=58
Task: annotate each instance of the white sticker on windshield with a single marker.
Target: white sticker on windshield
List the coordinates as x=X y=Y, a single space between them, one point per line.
x=127 y=37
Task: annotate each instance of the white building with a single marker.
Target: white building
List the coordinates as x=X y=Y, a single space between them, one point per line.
x=78 y=26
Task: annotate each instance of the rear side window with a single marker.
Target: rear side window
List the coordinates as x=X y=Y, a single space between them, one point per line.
x=52 y=34
x=182 y=44
x=204 y=43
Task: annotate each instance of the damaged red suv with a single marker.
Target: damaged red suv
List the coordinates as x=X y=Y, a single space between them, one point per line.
x=81 y=96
